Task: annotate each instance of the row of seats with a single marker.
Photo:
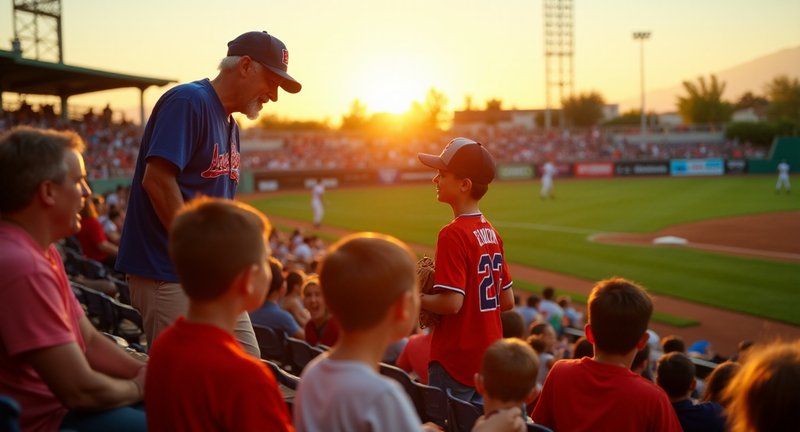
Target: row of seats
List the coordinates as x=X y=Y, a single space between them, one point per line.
x=111 y=316
x=281 y=352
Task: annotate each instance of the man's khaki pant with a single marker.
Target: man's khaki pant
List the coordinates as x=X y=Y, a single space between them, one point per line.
x=161 y=303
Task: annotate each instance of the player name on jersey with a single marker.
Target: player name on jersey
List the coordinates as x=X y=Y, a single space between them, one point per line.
x=485 y=236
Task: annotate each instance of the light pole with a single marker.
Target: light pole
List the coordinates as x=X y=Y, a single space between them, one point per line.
x=642 y=36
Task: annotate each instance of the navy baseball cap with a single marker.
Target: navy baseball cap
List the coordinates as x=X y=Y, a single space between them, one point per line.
x=464 y=157
x=267 y=50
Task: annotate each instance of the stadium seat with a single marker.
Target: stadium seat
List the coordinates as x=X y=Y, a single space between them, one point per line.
x=463 y=414
x=702 y=367
x=87 y=267
x=123 y=290
x=300 y=354
x=287 y=383
x=9 y=414
x=272 y=344
x=109 y=315
x=434 y=401
x=408 y=383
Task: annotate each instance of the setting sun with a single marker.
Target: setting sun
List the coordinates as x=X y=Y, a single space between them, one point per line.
x=391 y=83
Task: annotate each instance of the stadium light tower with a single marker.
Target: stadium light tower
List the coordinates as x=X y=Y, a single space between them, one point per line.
x=559 y=50
x=37 y=24
x=642 y=36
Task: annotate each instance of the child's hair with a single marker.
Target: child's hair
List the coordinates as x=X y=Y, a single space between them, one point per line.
x=765 y=393
x=675 y=373
x=539 y=327
x=536 y=343
x=513 y=324
x=641 y=356
x=276 y=268
x=582 y=348
x=718 y=380
x=310 y=280
x=212 y=241
x=548 y=293
x=672 y=343
x=362 y=275
x=533 y=301
x=619 y=311
x=293 y=279
x=509 y=369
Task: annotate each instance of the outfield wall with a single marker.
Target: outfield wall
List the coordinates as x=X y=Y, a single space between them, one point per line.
x=269 y=181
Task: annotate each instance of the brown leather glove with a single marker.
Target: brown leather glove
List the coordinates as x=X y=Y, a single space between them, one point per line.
x=425 y=272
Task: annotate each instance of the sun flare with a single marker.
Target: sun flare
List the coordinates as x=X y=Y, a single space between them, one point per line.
x=390 y=84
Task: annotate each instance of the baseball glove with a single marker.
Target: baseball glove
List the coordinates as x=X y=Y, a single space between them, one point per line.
x=425 y=272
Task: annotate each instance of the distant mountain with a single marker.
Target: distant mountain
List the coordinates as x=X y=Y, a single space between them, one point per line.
x=750 y=76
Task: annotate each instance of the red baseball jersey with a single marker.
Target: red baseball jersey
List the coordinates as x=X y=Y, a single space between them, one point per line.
x=470 y=262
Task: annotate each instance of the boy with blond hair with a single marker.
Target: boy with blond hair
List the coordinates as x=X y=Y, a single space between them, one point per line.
x=199 y=377
x=602 y=393
x=508 y=377
x=370 y=286
x=472 y=284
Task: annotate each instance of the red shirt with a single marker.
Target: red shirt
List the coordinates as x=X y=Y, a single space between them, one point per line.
x=91 y=235
x=416 y=355
x=585 y=395
x=199 y=378
x=37 y=310
x=325 y=335
x=470 y=262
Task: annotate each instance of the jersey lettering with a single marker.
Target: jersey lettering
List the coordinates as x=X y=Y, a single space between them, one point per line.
x=488 y=290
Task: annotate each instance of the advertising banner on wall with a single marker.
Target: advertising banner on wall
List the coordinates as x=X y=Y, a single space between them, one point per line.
x=697 y=167
x=593 y=169
x=643 y=168
x=514 y=172
x=736 y=166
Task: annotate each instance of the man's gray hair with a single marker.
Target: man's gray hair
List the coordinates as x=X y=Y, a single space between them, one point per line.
x=28 y=157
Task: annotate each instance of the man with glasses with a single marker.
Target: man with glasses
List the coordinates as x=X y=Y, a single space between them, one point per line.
x=190 y=147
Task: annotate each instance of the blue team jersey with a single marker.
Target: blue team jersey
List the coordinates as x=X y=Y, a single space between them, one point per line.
x=189 y=128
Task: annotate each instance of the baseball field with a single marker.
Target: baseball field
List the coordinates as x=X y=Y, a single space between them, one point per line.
x=748 y=258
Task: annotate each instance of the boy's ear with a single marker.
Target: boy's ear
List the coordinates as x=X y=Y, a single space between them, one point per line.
x=479 y=384
x=402 y=307
x=587 y=330
x=642 y=341
x=243 y=282
x=466 y=185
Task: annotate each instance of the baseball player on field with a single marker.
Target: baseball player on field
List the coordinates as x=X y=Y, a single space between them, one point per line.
x=548 y=171
x=472 y=283
x=783 y=177
x=316 y=202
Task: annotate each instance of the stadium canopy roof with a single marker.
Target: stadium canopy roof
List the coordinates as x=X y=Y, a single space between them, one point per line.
x=28 y=76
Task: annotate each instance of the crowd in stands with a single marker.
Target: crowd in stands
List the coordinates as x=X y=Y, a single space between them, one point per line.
x=358 y=302
x=112 y=147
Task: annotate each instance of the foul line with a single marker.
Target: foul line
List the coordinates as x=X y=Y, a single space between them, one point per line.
x=543 y=227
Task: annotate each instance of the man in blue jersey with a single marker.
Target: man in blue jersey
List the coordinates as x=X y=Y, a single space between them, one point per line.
x=190 y=147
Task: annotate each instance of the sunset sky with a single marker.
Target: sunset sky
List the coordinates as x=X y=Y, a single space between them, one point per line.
x=388 y=53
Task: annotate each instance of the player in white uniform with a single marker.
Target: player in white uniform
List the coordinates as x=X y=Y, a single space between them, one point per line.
x=316 y=202
x=783 y=177
x=548 y=171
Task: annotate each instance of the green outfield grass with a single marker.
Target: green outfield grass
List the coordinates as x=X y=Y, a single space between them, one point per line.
x=553 y=235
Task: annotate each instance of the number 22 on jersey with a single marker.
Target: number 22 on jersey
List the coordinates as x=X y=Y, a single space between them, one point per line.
x=489 y=267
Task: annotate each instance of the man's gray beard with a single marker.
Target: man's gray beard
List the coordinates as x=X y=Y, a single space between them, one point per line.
x=252 y=109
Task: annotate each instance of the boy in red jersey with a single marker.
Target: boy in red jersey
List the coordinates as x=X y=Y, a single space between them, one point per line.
x=200 y=377
x=472 y=284
x=602 y=393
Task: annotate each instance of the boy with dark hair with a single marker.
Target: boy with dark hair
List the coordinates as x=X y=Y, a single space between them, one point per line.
x=602 y=393
x=199 y=377
x=270 y=314
x=508 y=376
x=472 y=284
x=672 y=343
x=675 y=374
